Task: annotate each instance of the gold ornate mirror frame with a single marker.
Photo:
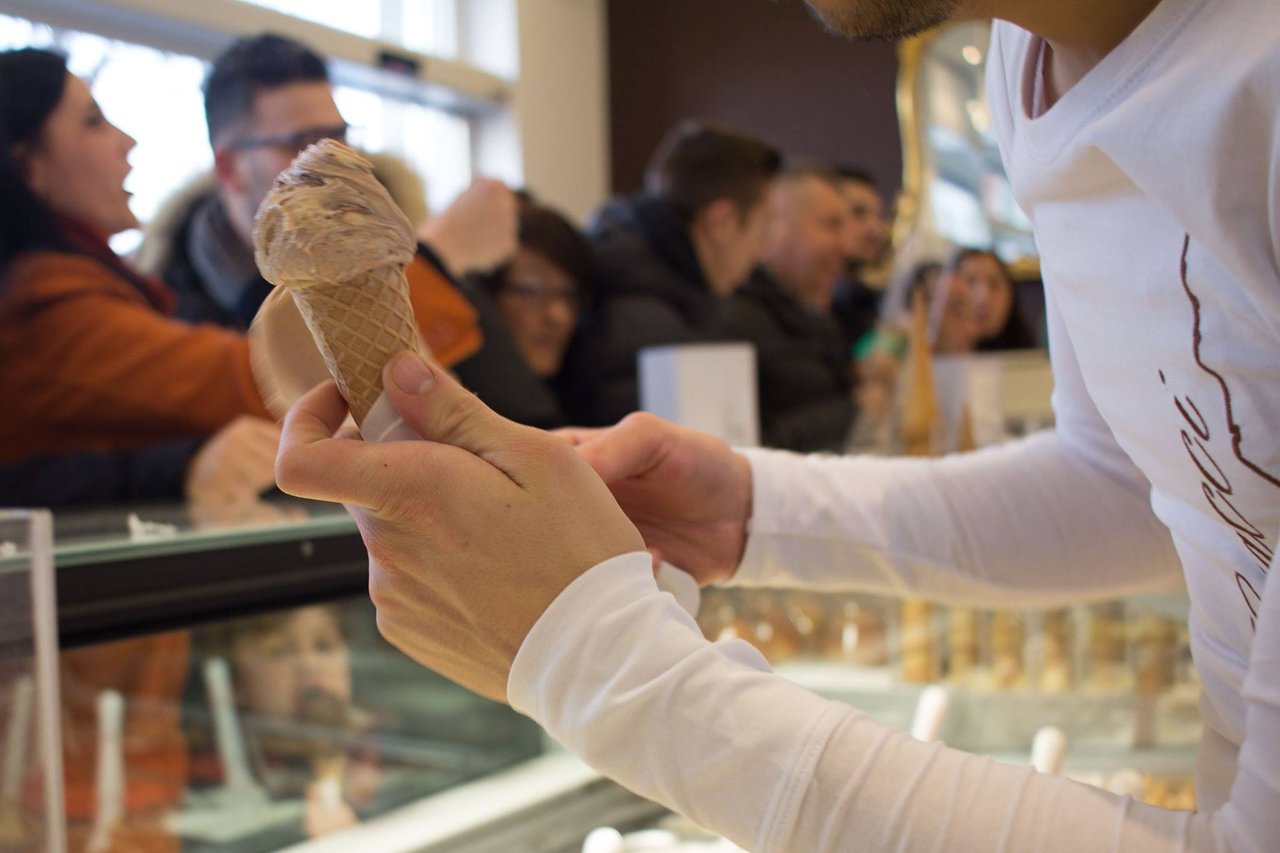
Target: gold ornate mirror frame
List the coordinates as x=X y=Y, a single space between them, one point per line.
x=910 y=204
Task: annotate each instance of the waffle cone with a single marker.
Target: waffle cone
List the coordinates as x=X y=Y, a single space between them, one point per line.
x=921 y=419
x=358 y=326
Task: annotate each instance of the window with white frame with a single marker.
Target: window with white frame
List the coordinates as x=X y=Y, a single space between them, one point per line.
x=425 y=26
x=128 y=79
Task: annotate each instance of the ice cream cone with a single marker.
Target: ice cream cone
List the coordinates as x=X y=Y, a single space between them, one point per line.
x=331 y=234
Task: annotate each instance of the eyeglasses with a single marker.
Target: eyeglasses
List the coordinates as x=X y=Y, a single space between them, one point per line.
x=542 y=297
x=295 y=141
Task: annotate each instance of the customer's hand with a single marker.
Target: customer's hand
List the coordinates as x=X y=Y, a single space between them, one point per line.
x=322 y=816
x=471 y=533
x=478 y=232
x=688 y=492
x=231 y=471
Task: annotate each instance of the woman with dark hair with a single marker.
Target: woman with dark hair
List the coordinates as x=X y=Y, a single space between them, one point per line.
x=529 y=310
x=980 y=298
x=100 y=387
x=542 y=290
x=108 y=397
x=25 y=223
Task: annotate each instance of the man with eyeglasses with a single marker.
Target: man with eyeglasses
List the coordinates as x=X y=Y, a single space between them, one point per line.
x=267 y=98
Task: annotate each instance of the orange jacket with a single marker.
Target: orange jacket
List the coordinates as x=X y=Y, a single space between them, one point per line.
x=90 y=360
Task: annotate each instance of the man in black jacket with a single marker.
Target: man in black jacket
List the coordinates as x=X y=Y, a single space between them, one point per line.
x=857 y=305
x=784 y=309
x=667 y=258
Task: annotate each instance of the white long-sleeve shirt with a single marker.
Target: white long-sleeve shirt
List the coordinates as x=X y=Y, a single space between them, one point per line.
x=1154 y=187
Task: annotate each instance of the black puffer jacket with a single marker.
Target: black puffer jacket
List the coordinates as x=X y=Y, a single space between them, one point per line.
x=805 y=385
x=651 y=292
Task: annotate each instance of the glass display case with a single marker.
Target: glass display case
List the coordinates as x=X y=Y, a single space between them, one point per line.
x=28 y=685
x=227 y=690
x=1115 y=677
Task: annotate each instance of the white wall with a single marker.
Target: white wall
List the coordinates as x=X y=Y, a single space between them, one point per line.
x=561 y=102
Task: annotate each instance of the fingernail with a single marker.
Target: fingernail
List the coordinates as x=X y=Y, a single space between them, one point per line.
x=411 y=374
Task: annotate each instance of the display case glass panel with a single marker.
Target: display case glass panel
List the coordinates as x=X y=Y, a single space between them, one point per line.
x=234 y=724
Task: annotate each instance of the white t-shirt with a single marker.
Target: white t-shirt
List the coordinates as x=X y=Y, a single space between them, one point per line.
x=1154 y=186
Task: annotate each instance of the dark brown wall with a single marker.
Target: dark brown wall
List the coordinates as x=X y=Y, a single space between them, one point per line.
x=762 y=66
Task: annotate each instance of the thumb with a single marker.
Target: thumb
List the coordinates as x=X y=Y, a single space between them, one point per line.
x=440 y=410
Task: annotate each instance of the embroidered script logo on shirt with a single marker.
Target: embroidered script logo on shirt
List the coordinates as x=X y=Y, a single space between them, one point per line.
x=1204 y=448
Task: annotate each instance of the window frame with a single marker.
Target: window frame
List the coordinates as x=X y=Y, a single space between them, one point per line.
x=203 y=29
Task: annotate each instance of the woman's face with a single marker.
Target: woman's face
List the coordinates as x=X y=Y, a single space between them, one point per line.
x=276 y=669
x=958 y=327
x=539 y=305
x=78 y=163
x=990 y=294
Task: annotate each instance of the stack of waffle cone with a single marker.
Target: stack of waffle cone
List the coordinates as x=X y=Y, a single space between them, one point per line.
x=921 y=426
x=330 y=233
x=921 y=420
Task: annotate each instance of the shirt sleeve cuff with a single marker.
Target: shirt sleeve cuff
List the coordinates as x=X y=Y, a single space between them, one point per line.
x=769 y=473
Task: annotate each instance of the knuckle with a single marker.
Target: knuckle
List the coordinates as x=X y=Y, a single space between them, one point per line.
x=292 y=471
x=289 y=471
x=454 y=412
x=549 y=455
x=379 y=593
x=385 y=628
x=641 y=421
x=557 y=452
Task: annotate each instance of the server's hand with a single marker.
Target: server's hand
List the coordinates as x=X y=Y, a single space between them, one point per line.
x=471 y=533
x=688 y=492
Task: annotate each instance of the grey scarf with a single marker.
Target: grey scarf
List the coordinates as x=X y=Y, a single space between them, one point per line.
x=221 y=259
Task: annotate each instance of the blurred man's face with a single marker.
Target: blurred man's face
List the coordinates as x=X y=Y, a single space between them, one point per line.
x=887 y=20
x=868 y=232
x=285 y=120
x=741 y=247
x=806 y=246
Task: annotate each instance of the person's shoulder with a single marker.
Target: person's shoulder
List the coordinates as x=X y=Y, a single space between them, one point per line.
x=619 y=250
x=641 y=308
x=1007 y=56
x=46 y=274
x=631 y=271
x=617 y=215
x=749 y=309
x=617 y=236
